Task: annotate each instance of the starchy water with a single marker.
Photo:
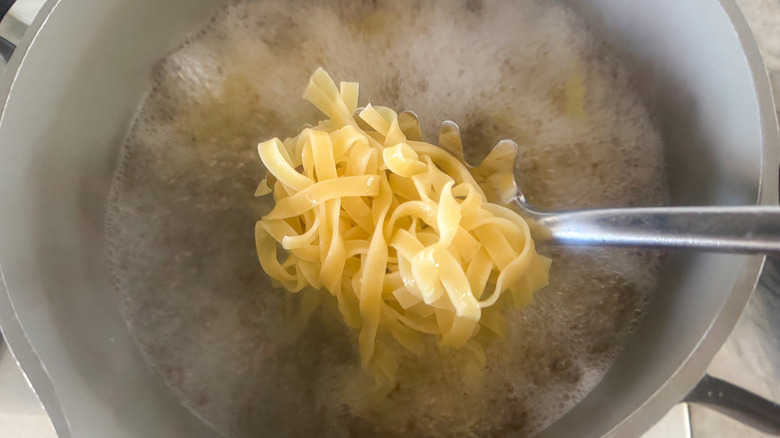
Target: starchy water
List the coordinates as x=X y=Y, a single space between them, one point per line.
x=182 y=213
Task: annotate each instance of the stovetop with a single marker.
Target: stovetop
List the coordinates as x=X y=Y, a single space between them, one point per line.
x=749 y=358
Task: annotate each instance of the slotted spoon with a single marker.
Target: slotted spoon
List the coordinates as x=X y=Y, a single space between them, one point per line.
x=734 y=229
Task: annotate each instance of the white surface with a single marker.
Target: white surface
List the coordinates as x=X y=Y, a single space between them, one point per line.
x=675 y=424
x=21 y=414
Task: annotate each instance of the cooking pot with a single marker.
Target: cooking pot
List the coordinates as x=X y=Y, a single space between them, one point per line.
x=76 y=80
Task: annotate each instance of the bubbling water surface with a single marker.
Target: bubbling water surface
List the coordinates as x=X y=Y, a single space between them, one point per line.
x=181 y=220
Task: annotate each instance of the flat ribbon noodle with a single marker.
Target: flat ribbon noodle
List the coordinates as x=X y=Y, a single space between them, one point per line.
x=396 y=230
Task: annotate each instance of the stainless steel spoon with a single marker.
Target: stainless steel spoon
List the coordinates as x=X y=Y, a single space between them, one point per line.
x=738 y=229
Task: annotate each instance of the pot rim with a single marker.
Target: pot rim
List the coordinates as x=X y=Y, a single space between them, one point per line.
x=14 y=334
x=693 y=368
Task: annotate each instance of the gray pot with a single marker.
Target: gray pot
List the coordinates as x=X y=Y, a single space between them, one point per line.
x=76 y=80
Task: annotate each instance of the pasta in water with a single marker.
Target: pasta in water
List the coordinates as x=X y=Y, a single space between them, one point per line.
x=396 y=230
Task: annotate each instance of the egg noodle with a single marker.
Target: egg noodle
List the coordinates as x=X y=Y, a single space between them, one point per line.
x=396 y=230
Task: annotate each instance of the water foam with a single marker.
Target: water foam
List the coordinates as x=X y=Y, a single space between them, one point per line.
x=182 y=211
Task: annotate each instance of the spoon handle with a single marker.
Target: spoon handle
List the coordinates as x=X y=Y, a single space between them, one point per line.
x=748 y=229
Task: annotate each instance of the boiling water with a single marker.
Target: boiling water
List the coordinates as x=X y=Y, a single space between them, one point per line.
x=182 y=212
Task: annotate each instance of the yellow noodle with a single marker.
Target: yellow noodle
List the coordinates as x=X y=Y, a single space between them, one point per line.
x=395 y=229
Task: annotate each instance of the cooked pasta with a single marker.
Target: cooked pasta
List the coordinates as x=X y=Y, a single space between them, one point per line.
x=396 y=230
